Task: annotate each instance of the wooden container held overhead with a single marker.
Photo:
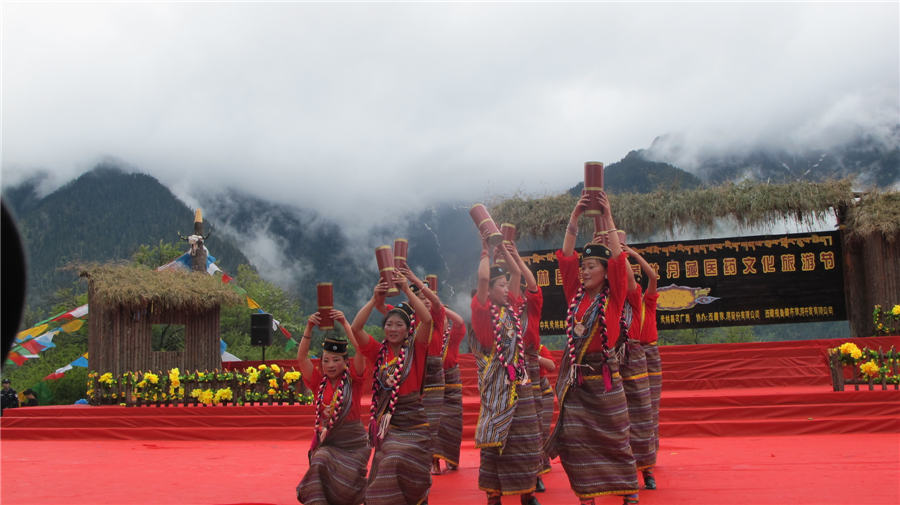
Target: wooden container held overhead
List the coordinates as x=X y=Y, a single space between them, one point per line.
x=325 y=296
x=432 y=281
x=401 y=250
x=384 y=255
x=487 y=228
x=593 y=185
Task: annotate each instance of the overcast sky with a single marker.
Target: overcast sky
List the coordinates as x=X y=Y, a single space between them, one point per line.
x=343 y=107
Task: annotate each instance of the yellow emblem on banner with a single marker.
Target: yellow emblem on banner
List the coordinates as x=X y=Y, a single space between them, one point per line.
x=674 y=297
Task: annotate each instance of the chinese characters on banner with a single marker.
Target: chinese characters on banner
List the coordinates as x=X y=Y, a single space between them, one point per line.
x=725 y=282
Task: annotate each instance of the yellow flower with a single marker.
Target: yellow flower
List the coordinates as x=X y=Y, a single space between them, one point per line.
x=896 y=310
x=141 y=384
x=152 y=377
x=175 y=377
x=195 y=393
x=851 y=349
x=253 y=377
x=290 y=377
x=275 y=368
x=206 y=397
x=273 y=383
x=107 y=377
x=869 y=368
x=223 y=394
x=271 y=392
x=262 y=367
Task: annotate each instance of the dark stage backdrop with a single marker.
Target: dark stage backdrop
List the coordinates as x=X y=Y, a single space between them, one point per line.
x=765 y=279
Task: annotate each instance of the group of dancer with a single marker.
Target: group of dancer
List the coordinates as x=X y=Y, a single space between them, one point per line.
x=608 y=385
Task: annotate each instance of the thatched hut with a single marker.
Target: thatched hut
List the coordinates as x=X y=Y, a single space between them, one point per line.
x=130 y=303
x=869 y=223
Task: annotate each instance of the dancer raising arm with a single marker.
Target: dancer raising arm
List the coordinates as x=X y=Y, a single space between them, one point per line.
x=635 y=381
x=534 y=303
x=398 y=427
x=648 y=338
x=450 y=432
x=340 y=448
x=433 y=389
x=591 y=433
x=507 y=431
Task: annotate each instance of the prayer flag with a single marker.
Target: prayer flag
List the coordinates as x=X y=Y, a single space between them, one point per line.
x=16 y=358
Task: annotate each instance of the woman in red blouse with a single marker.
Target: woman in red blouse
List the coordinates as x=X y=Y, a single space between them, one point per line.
x=648 y=338
x=398 y=428
x=340 y=448
x=450 y=433
x=507 y=431
x=591 y=433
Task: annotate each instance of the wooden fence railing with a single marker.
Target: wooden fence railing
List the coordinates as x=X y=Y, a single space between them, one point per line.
x=881 y=368
x=265 y=385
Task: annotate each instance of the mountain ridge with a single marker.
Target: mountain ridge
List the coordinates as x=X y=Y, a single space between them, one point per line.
x=106 y=213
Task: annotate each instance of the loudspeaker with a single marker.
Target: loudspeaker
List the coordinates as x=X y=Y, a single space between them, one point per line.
x=261 y=329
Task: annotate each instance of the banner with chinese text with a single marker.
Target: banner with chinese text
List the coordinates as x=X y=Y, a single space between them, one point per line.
x=765 y=279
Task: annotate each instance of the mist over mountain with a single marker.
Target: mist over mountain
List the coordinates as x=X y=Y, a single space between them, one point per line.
x=107 y=213
x=102 y=215
x=872 y=157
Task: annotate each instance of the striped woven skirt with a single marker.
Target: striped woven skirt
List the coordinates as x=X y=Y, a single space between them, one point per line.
x=450 y=433
x=591 y=435
x=513 y=469
x=636 y=382
x=546 y=420
x=337 y=468
x=401 y=467
x=654 y=369
x=433 y=396
x=534 y=375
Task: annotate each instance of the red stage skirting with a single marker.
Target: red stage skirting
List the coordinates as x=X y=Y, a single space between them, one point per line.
x=708 y=390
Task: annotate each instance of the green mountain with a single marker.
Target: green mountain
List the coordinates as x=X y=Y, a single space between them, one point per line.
x=103 y=215
x=871 y=159
x=294 y=248
x=635 y=174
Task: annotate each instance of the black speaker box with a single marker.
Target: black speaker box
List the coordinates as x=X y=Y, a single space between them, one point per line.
x=261 y=329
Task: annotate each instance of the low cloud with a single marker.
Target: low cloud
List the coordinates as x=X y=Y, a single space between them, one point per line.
x=364 y=112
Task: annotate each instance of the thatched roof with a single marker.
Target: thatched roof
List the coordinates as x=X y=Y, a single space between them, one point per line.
x=137 y=286
x=748 y=203
x=875 y=213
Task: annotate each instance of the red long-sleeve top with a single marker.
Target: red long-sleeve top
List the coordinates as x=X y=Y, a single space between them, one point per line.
x=457 y=332
x=648 y=331
x=370 y=348
x=544 y=353
x=438 y=317
x=616 y=270
x=534 y=301
x=481 y=321
x=314 y=380
x=635 y=299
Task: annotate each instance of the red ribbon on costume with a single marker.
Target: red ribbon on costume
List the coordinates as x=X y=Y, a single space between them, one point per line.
x=607 y=378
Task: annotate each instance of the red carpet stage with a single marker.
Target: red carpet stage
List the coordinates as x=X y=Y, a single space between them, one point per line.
x=741 y=423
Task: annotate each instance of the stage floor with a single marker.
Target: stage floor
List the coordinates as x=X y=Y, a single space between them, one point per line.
x=810 y=469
